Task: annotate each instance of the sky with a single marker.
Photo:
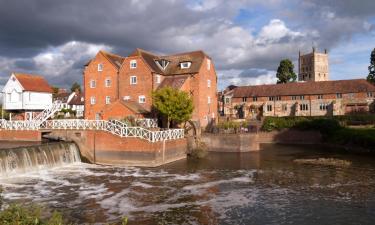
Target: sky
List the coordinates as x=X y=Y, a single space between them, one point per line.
x=245 y=38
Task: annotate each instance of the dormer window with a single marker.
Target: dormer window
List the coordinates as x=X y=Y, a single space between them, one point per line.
x=162 y=63
x=185 y=65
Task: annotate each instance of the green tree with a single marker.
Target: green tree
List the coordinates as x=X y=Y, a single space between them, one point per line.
x=285 y=73
x=55 y=90
x=371 y=68
x=173 y=104
x=75 y=86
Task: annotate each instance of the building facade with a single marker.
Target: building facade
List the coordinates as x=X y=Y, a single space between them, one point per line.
x=116 y=87
x=24 y=95
x=313 y=66
x=325 y=98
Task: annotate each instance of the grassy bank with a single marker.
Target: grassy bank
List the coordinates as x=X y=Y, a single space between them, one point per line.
x=334 y=130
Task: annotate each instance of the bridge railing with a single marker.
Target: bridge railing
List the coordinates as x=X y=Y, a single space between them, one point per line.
x=147 y=123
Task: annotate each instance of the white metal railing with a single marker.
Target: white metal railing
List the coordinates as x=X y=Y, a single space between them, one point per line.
x=148 y=123
x=48 y=112
x=113 y=126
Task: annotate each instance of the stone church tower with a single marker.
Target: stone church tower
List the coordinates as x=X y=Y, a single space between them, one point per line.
x=313 y=66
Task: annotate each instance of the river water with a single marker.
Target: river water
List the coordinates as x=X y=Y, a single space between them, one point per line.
x=225 y=188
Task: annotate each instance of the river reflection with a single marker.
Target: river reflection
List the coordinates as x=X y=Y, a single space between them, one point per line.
x=225 y=188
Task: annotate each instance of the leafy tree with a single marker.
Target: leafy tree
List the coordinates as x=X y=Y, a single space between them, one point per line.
x=371 y=68
x=173 y=104
x=285 y=73
x=75 y=86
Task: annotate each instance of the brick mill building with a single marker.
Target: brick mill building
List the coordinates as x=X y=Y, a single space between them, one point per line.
x=325 y=98
x=116 y=86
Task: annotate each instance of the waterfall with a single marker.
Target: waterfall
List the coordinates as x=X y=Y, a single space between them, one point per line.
x=25 y=159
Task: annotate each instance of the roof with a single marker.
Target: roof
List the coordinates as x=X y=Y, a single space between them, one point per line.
x=305 y=88
x=78 y=99
x=116 y=60
x=196 y=58
x=135 y=107
x=174 y=82
x=62 y=96
x=33 y=82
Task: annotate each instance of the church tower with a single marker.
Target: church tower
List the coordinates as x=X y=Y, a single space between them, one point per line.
x=313 y=66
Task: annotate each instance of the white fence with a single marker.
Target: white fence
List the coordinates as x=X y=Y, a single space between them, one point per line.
x=148 y=123
x=114 y=127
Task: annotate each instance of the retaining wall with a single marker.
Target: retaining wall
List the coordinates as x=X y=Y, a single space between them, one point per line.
x=24 y=135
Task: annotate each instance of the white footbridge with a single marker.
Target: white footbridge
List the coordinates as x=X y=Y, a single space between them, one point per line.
x=146 y=128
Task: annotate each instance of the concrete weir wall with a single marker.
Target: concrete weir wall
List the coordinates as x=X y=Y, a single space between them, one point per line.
x=104 y=148
x=249 y=142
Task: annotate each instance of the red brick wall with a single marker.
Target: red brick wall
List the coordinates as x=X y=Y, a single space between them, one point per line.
x=118 y=111
x=16 y=135
x=144 y=84
x=100 y=91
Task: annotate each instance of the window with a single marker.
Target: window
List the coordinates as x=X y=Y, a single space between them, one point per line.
x=108 y=82
x=244 y=99
x=209 y=100
x=92 y=84
x=323 y=107
x=133 y=80
x=208 y=83
x=278 y=98
x=269 y=108
x=126 y=98
x=100 y=67
x=303 y=107
x=369 y=94
x=97 y=116
x=320 y=96
x=142 y=99
x=227 y=100
x=162 y=63
x=133 y=64
x=271 y=98
x=208 y=64
x=92 y=100
x=255 y=99
x=158 y=79
x=107 y=100
x=284 y=107
x=185 y=65
x=294 y=97
x=302 y=97
x=338 y=95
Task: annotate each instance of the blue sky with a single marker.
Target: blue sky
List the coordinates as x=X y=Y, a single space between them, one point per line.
x=246 y=38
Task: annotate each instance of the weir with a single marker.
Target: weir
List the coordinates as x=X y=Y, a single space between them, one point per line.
x=32 y=158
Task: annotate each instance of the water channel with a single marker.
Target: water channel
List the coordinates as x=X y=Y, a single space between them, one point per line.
x=224 y=188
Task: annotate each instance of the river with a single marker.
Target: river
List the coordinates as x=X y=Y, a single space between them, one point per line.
x=225 y=188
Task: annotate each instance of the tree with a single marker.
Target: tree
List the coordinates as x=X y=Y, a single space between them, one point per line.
x=285 y=73
x=75 y=86
x=173 y=104
x=55 y=90
x=371 y=68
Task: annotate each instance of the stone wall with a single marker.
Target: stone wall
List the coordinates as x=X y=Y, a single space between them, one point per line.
x=104 y=148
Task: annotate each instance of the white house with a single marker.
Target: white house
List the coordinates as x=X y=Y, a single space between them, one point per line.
x=26 y=94
x=76 y=102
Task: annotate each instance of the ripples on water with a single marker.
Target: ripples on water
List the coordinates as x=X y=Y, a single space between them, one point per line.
x=264 y=188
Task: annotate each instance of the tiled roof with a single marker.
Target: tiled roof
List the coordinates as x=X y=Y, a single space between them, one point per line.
x=116 y=60
x=78 y=99
x=196 y=58
x=33 y=82
x=305 y=88
x=135 y=107
x=174 y=82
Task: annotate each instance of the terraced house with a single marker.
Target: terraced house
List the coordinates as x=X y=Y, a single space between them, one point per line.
x=116 y=86
x=324 y=98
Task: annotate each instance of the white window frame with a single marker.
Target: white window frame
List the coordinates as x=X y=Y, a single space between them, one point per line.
x=92 y=83
x=158 y=79
x=126 y=98
x=208 y=83
x=92 y=100
x=141 y=99
x=370 y=94
x=131 y=80
x=208 y=64
x=209 y=99
x=107 y=100
x=269 y=108
x=108 y=82
x=133 y=64
x=100 y=67
x=185 y=65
